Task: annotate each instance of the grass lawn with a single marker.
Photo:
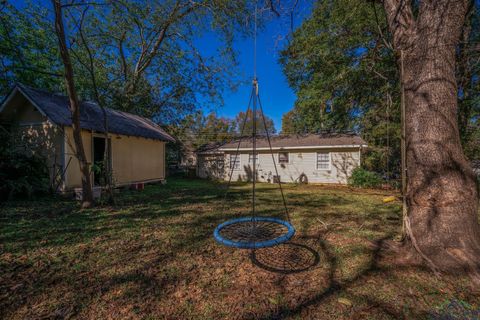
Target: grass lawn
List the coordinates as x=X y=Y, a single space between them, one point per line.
x=153 y=256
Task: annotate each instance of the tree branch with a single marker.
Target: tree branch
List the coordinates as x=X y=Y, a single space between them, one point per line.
x=123 y=61
x=380 y=32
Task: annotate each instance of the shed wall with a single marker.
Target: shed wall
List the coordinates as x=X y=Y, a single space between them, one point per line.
x=34 y=134
x=134 y=159
x=73 y=177
x=137 y=159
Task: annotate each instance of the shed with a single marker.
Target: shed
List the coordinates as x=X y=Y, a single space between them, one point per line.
x=43 y=121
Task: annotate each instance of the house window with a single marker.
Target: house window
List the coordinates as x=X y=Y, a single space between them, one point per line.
x=250 y=158
x=234 y=161
x=283 y=157
x=323 y=160
x=220 y=162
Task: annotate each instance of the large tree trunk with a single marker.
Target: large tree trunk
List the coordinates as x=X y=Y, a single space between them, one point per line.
x=442 y=221
x=87 y=195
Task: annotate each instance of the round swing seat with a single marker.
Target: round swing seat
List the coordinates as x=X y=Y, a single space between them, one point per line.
x=253 y=232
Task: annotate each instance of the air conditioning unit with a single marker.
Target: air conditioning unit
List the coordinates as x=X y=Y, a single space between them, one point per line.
x=97 y=193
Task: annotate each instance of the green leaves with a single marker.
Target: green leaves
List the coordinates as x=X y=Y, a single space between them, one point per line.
x=28 y=52
x=148 y=58
x=364 y=179
x=345 y=76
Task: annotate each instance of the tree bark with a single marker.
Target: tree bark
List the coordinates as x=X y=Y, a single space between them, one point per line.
x=107 y=168
x=87 y=194
x=442 y=221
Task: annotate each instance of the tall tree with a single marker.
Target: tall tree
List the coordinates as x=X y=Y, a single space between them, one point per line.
x=28 y=53
x=87 y=195
x=344 y=75
x=262 y=128
x=149 y=59
x=199 y=129
x=147 y=56
x=343 y=69
x=442 y=221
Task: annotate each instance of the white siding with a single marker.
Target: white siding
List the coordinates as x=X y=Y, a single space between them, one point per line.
x=343 y=161
x=209 y=167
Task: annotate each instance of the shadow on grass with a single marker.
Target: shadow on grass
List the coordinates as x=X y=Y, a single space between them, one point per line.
x=32 y=224
x=286 y=258
x=334 y=288
x=145 y=268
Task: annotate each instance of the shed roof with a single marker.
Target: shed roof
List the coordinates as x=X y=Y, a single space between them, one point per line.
x=56 y=108
x=340 y=140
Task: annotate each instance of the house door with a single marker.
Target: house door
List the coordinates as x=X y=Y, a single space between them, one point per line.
x=98 y=155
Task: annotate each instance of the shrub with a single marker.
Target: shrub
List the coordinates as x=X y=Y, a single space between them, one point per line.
x=364 y=179
x=22 y=175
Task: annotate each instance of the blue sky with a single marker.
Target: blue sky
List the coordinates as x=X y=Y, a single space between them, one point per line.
x=277 y=97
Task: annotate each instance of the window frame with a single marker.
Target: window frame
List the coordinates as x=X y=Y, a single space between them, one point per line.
x=288 y=157
x=329 y=161
x=233 y=164
x=220 y=160
x=250 y=158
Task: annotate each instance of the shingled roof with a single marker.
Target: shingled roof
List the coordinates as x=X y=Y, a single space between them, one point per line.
x=292 y=142
x=56 y=108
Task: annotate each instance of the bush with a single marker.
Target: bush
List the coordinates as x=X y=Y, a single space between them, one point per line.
x=364 y=179
x=22 y=175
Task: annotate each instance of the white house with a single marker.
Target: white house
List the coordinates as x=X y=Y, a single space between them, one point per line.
x=322 y=158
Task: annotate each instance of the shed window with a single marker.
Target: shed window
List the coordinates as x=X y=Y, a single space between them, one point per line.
x=283 y=157
x=234 y=161
x=323 y=160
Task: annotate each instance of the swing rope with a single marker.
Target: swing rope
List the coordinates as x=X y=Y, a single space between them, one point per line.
x=273 y=160
x=254 y=232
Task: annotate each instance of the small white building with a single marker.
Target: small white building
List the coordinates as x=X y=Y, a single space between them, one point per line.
x=322 y=158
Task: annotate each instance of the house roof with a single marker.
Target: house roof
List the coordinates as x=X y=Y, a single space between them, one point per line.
x=309 y=141
x=56 y=108
x=213 y=147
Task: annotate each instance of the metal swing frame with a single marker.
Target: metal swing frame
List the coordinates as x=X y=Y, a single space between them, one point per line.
x=255 y=232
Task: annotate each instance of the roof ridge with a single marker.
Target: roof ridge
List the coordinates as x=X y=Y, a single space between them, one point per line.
x=56 y=108
x=24 y=86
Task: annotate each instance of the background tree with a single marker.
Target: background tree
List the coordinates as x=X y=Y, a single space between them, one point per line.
x=345 y=78
x=468 y=81
x=143 y=58
x=343 y=69
x=150 y=62
x=199 y=129
x=28 y=52
x=87 y=195
x=262 y=128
